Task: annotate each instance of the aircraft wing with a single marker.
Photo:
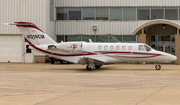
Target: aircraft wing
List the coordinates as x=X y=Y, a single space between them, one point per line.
x=96 y=60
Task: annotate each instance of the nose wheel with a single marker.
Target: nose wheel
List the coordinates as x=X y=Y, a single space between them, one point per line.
x=157 y=67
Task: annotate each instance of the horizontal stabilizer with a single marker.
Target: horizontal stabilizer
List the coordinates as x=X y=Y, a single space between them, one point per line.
x=18 y=24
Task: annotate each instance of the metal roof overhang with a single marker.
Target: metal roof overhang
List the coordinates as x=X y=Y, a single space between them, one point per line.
x=154 y=22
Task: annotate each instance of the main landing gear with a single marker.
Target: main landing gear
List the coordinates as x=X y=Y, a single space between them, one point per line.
x=157 y=67
x=88 y=68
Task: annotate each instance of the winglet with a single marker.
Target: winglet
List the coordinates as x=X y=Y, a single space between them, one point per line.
x=90 y=40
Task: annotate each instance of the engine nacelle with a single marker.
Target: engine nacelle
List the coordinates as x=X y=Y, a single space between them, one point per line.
x=69 y=46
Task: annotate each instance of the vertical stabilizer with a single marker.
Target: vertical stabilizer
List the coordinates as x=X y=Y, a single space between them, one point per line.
x=33 y=34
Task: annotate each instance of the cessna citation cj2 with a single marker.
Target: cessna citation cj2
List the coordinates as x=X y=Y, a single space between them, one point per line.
x=93 y=54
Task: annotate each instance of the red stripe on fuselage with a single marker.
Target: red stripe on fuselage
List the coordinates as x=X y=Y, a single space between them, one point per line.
x=135 y=57
x=146 y=53
x=140 y=53
x=114 y=52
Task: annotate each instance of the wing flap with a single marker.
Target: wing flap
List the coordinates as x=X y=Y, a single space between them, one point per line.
x=97 y=60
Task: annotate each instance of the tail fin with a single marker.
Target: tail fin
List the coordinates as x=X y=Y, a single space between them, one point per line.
x=33 y=34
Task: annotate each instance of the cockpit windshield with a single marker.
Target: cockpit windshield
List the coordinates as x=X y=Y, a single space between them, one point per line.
x=147 y=47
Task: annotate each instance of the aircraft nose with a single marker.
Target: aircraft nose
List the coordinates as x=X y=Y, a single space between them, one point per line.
x=170 y=57
x=174 y=57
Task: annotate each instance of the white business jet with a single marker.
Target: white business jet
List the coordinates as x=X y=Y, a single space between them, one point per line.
x=93 y=54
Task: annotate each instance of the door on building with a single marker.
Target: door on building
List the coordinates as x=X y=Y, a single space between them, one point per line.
x=165 y=43
x=29 y=57
x=11 y=48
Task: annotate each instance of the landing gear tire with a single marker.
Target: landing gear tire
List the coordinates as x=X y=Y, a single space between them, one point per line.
x=52 y=60
x=97 y=66
x=87 y=68
x=158 y=67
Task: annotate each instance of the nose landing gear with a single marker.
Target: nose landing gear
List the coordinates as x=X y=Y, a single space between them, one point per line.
x=157 y=67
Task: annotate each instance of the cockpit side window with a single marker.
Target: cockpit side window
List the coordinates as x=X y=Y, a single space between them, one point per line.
x=147 y=48
x=141 y=48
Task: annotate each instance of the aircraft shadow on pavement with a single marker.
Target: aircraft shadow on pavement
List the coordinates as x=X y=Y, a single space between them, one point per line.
x=106 y=69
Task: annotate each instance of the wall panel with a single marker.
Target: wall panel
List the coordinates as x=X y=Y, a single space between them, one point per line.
x=22 y=10
x=85 y=3
x=103 y=27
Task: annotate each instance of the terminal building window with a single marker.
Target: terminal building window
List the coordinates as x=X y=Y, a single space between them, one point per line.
x=143 y=13
x=101 y=13
x=74 y=13
x=60 y=38
x=62 y=13
x=157 y=13
x=102 y=38
x=88 y=13
x=129 y=13
x=98 y=38
x=160 y=47
x=171 y=13
x=154 y=38
x=154 y=47
x=129 y=38
x=173 y=49
x=74 y=38
x=164 y=38
x=87 y=37
x=118 y=13
x=173 y=38
x=115 y=38
x=115 y=13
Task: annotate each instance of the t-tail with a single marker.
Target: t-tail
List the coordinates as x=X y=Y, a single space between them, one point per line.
x=32 y=33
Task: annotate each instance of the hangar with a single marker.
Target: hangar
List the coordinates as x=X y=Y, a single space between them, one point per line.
x=154 y=22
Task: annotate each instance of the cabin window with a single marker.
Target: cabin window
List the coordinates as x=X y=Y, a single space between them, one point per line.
x=105 y=47
x=130 y=48
x=147 y=48
x=111 y=48
x=117 y=47
x=123 y=47
x=141 y=48
x=99 y=47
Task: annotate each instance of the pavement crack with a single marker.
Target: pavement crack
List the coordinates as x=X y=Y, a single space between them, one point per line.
x=151 y=95
x=53 y=98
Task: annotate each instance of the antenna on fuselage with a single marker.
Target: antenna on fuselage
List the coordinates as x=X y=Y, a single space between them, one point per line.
x=90 y=41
